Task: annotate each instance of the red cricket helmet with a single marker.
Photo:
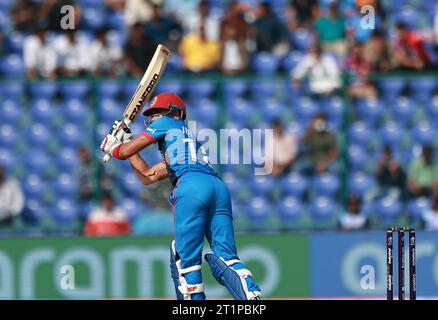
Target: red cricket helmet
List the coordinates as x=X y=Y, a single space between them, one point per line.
x=166 y=101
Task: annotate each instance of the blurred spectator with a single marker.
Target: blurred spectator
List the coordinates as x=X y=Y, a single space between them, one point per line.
x=332 y=32
x=198 y=53
x=270 y=34
x=11 y=198
x=322 y=69
x=86 y=175
x=107 y=220
x=138 y=11
x=377 y=53
x=320 y=146
x=156 y=196
x=353 y=218
x=139 y=51
x=104 y=58
x=358 y=68
x=51 y=12
x=284 y=150
x=180 y=10
x=24 y=14
x=73 y=54
x=301 y=14
x=39 y=55
x=423 y=174
x=164 y=29
x=193 y=21
x=429 y=218
x=390 y=175
x=115 y=5
x=234 y=56
x=409 y=50
x=235 y=19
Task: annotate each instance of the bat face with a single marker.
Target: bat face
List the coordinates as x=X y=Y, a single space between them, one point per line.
x=147 y=84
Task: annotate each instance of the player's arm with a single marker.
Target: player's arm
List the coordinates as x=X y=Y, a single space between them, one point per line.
x=121 y=145
x=145 y=173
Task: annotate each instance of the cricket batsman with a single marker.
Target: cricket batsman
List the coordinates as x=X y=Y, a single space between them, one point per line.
x=200 y=200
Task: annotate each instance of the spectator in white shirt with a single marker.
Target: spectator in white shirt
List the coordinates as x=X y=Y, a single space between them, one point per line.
x=11 y=198
x=429 y=217
x=322 y=69
x=284 y=150
x=73 y=54
x=234 y=56
x=39 y=55
x=193 y=22
x=104 y=57
x=353 y=218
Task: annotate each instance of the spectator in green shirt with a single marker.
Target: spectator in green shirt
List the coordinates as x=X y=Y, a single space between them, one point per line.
x=331 y=31
x=423 y=174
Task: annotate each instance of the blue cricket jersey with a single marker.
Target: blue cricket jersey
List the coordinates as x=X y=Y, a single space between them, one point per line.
x=179 y=148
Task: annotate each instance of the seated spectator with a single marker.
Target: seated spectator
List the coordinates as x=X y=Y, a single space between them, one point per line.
x=24 y=15
x=235 y=19
x=323 y=72
x=409 y=50
x=358 y=67
x=234 y=56
x=39 y=55
x=353 y=218
x=193 y=21
x=390 y=175
x=107 y=220
x=320 y=146
x=429 y=218
x=86 y=175
x=331 y=32
x=11 y=198
x=377 y=53
x=104 y=57
x=284 y=150
x=138 y=50
x=198 y=53
x=73 y=54
x=269 y=32
x=164 y=29
x=423 y=174
x=301 y=14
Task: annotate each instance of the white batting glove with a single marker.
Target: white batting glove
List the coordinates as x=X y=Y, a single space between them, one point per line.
x=123 y=134
x=109 y=144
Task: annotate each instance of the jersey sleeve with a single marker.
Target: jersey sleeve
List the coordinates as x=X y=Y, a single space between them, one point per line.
x=156 y=130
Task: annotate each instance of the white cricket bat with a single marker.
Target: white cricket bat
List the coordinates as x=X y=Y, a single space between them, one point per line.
x=146 y=87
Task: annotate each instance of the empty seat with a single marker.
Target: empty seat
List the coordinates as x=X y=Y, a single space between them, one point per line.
x=265 y=63
x=306 y=109
x=417 y=207
x=75 y=89
x=12 y=66
x=370 y=111
x=8 y=136
x=322 y=209
x=272 y=110
x=109 y=111
x=76 y=111
x=34 y=212
x=34 y=186
x=38 y=135
x=108 y=89
x=36 y=161
x=7 y=158
x=12 y=90
x=93 y=19
x=258 y=210
x=206 y=112
x=391 y=88
x=360 y=184
x=65 y=212
x=67 y=159
x=43 y=90
x=66 y=186
x=326 y=184
x=172 y=87
x=235 y=88
x=294 y=185
x=391 y=134
x=302 y=39
x=290 y=209
x=422 y=88
x=201 y=89
x=359 y=133
x=262 y=185
x=424 y=133
x=388 y=209
x=357 y=157
x=403 y=110
x=43 y=110
x=71 y=135
x=131 y=184
x=291 y=60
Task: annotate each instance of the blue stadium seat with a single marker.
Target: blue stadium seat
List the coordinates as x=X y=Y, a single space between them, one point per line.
x=432 y=109
x=36 y=161
x=110 y=110
x=290 y=209
x=66 y=186
x=423 y=88
x=206 y=112
x=71 y=135
x=262 y=185
x=370 y=111
x=265 y=63
x=391 y=88
x=12 y=66
x=387 y=209
x=262 y=89
x=359 y=133
x=408 y=15
x=175 y=64
x=306 y=109
x=391 y=134
x=326 y=184
x=76 y=111
x=8 y=136
x=38 y=135
x=7 y=158
x=67 y=160
x=33 y=212
x=43 y=90
x=34 y=187
x=12 y=90
x=301 y=39
x=116 y=21
x=272 y=110
x=200 y=89
x=108 y=89
x=322 y=209
x=14 y=42
x=403 y=110
x=234 y=183
x=258 y=210
x=65 y=212
x=334 y=109
x=129 y=88
x=90 y=3
x=424 y=133
x=172 y=87
x=296 y=128
x=291 y=60
x=133 y=208
x=131 y=184
x=93 y=19
x=360 y=184
x=235 y=88
x=357 y=157
x=239 y=111
x=294 y=185
x=75 y=89
x=43 y=110
x=417 y=207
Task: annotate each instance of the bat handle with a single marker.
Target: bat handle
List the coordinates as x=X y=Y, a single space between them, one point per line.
x=107 y=158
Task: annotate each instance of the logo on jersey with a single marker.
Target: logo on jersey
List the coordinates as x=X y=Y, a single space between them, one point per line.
x=151 y=130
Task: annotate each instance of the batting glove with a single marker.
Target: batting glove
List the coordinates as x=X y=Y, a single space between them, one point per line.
x=110 y=145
